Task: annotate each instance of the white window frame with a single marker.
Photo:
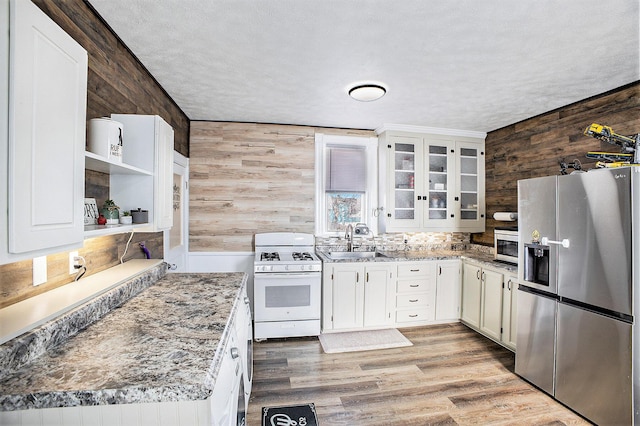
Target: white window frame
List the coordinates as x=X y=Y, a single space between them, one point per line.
x=370 y=144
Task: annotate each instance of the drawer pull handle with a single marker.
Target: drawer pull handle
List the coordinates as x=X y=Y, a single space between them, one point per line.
x=413 y=315
x=414 y=285
x=413 y=300
x=415 y=270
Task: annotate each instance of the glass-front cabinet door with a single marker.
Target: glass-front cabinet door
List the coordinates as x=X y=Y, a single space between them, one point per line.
x=406 y=158
x=470 y=165
x=438 y=205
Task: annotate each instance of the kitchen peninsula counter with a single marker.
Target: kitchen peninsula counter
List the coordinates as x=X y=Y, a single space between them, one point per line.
x=161 y=345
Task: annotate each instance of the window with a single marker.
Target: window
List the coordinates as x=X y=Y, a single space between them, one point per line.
x=346 y=183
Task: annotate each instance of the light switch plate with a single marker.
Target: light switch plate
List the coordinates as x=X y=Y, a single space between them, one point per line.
x=39 y=270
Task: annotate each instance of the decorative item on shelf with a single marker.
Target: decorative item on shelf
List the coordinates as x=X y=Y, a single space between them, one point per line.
x=105 y=138
x=111 y=212
x=102 y=220
x=411 y=181
x=90 y=211
x=126 y=218
x=140 y=216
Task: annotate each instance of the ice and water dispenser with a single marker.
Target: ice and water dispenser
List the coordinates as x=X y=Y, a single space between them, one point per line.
x=536 y=263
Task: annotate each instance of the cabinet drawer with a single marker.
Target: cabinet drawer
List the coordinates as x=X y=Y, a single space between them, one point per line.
x=413 y=315
x=410 y=300
x=413 y=286
x=416 y=270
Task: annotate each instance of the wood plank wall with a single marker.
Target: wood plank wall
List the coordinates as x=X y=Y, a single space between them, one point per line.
x=534 y=147
x=247 y=178
x=117 y=83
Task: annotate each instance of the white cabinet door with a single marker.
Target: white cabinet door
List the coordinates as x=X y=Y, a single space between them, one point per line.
x=376 y=295
x=448 y=291
x=440 y=178
x=491 y=308
x=164 y=175
x=47 y=114
x=404 y=170
x=471 y=289
x=470 y=215
x=509 y=311
x=348 y=296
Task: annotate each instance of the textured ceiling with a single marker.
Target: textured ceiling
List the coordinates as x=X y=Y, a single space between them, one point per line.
x=462 y=64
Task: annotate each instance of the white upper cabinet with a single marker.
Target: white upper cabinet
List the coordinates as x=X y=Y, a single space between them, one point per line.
x=147 y=145
x=431 y=182
x=43 y=187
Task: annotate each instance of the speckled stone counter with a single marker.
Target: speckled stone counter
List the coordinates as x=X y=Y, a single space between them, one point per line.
x=161 y=345
x=480 y=255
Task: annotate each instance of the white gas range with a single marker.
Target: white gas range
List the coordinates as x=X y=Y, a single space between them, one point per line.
x=286 y=286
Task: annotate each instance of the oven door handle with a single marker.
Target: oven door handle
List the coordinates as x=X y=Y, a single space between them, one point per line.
x=287 y=275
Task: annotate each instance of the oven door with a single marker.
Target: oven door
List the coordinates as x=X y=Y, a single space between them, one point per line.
x=506 y=247
x=287 y=296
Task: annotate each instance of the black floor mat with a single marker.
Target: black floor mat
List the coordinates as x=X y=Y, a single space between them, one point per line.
x=295 y=415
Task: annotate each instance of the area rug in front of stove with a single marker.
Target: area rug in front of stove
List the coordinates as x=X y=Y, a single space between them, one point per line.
x=295 y=415
x=356 y=341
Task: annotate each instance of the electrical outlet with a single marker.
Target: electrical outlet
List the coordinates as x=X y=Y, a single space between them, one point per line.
x=39 y=270
x=72 y=262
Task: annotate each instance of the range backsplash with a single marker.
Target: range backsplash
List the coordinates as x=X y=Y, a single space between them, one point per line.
x=404 y=241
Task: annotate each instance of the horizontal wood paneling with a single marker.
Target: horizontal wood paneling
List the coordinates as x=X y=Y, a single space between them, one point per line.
x=117 y=83
x=534 y=147
x=247 y=178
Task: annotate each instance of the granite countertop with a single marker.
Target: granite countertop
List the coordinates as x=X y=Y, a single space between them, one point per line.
x=161 y=345
x=485 y=258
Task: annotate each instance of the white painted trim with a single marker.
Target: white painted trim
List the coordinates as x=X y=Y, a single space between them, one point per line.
x=431 y=130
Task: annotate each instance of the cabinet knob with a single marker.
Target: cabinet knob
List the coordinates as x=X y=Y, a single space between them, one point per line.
x=235 y=353
x=388 y=214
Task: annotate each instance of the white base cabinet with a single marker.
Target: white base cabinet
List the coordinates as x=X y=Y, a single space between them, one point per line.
x=448 y=290
x=373 y=295
x=356 y=296
x=488 y=302
x=43 y=135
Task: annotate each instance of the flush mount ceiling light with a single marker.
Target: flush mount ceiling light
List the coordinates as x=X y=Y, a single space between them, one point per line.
x=367 y=92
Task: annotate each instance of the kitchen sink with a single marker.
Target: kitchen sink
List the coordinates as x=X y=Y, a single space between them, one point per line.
x=353 y=254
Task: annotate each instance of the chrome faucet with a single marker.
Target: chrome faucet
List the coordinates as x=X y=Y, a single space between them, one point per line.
x=348 y=235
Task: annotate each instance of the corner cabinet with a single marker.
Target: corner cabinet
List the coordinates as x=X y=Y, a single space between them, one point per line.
x=431 y=182
x=43 y=134
x=144 y=179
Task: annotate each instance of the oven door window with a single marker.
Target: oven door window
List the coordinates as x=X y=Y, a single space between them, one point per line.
x=507 y=248
x=287 y=296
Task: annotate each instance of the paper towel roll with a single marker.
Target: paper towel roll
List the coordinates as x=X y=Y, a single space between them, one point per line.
x=505 y=216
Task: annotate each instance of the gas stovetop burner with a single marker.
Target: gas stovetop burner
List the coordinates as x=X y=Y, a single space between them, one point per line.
x=301 y=255
x=273 y=256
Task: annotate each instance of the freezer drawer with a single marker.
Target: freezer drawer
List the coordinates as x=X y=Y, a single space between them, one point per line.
x=536 y=339
x=593 y=365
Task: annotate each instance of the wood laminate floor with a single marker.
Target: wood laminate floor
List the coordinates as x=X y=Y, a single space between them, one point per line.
x=451 y=375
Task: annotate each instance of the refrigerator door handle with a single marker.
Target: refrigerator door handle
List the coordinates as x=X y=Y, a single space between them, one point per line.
x=546 y=241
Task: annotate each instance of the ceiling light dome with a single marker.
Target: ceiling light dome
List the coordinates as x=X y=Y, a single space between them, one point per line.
x=367 y=92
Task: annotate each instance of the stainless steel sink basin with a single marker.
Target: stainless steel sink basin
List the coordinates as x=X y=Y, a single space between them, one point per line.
x=354 y=254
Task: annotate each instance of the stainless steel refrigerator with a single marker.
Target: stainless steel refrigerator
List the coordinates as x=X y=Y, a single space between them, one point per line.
x=578 y=239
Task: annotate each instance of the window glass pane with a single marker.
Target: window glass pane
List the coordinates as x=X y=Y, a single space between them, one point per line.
x=346 y=169
x=344 y=208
